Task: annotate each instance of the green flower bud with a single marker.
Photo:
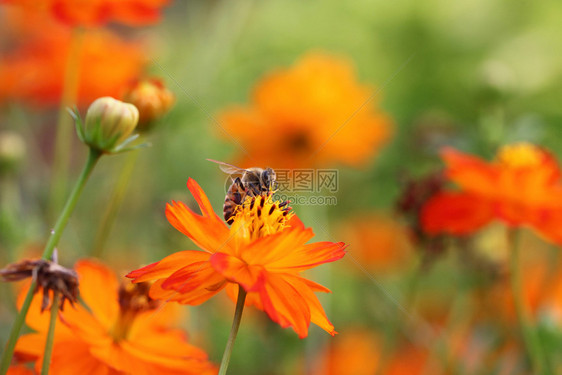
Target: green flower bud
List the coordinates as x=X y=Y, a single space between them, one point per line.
x=109 y=122
x=12 y=151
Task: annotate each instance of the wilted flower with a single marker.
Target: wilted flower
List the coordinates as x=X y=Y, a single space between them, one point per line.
x=119 y=332
x=51 y=278
x=414 y=196
x=152 y=99
x=314 y=113
x=108 y=125
x=263 y=251
x=520 y=187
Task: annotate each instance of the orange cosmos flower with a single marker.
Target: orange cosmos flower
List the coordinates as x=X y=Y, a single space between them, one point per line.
x=34 y=72
x=263 y=251
x=91 y=13
x=314 y=113
x=122 y=333
x=520 y=187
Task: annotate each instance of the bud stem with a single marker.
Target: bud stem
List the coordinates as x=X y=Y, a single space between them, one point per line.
x=114 y=204
x=56 y=233
x=64 y=125
x=234 y=330
x=47 y=353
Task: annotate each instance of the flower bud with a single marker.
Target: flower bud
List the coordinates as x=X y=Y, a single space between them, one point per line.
x=12 y=151
x=108 y=123
x=152 y=99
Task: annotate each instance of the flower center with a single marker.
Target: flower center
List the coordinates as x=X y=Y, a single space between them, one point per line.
x=133 y=299
x=520 y=155
x=298 y=141
x=260 y=216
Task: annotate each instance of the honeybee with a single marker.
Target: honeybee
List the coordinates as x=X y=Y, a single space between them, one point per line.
x=254 y=182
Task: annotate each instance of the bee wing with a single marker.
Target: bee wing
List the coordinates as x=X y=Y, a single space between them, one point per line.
x=228 y=168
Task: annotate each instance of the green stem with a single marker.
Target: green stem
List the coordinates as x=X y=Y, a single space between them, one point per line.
x=47 y=353
x=233 y=330
x=64 y=124
x=530 y=338
x=14 y=333
x=56 y=233
x=114 y=204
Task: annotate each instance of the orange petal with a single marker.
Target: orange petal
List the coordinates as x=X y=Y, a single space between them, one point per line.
x=74 y=357
x=168 y=349
x=455 y=213
x=283 y=303
x=548 y=222
x=194 y=283
x=269 y=249
x=165 y=316
x=308 y=256
x=30 y=345
x=470 y=172
x=236 y=270
x=306 y=288
x=208 y=231
x=19 y=370
x=167 y=266
x=102 y=301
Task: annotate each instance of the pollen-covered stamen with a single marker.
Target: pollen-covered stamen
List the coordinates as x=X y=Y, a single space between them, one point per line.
x=133 y=299
x=520 y=155
x=260 y=216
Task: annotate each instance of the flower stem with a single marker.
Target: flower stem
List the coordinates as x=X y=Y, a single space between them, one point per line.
x=56 y=233
x=234 y=330
x=114 y=204
x=47 y=353
x=64 y=124
x=530 y=338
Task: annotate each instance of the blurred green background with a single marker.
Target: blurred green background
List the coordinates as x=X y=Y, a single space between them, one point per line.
x=473 y=74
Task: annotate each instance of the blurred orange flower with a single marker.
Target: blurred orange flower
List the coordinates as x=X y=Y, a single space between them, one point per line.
x=34 y=71
x=314 y=113
x=355 y=352
x=98 y=12
x=520 y=187
x=378 y=241
x=358 y=352
x=264 y=251
x=121 y=333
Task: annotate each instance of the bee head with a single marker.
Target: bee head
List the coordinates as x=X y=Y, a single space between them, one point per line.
x=267 y=178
